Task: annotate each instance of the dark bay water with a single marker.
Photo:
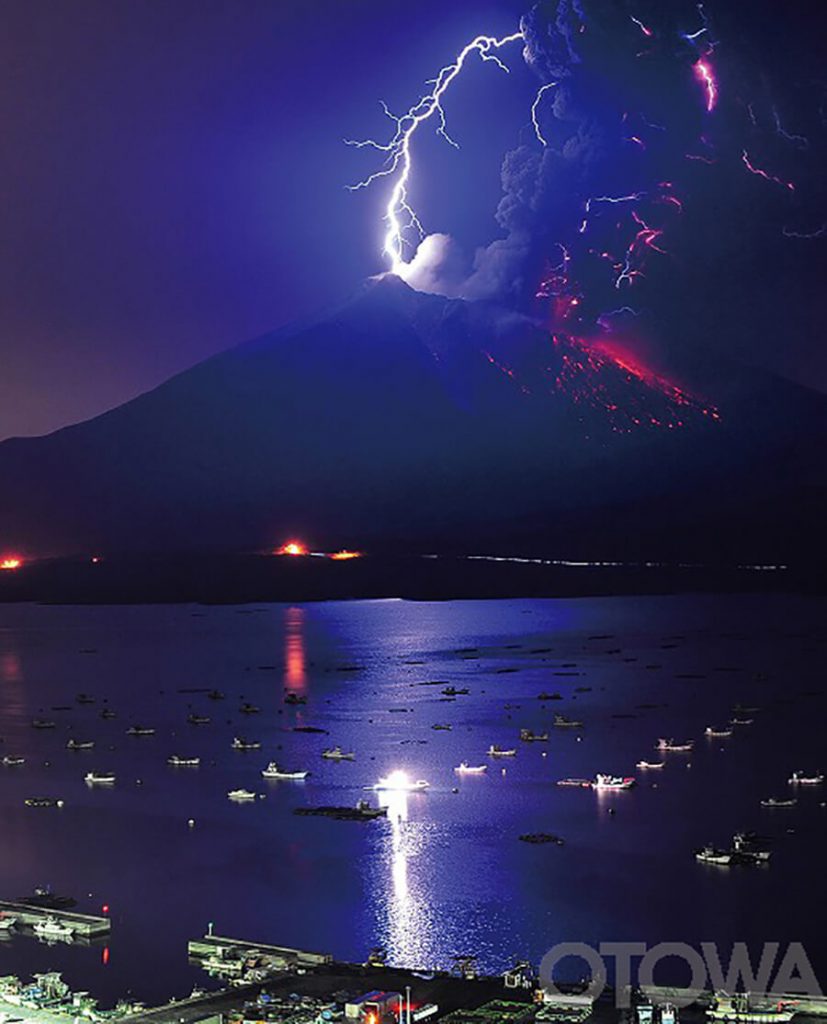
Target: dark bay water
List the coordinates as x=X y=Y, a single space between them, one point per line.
x=447 y=874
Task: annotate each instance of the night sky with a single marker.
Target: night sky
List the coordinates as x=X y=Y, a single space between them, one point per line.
x=173 y=175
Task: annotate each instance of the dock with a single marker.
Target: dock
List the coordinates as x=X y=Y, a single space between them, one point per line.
x=84 y=925
x=211 y=948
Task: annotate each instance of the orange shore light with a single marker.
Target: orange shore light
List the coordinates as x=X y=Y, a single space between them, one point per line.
x=344 y=556
x=11 y=563
x=292 y=547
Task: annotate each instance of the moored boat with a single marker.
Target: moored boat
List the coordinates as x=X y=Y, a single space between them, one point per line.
x=529 y=736
x=241 y=795
x=471 y=769
x=804 y=779
x=712 y=731
x=561 y=722
x=576 y=783
x=775 y=802
x=710 y=855
x=53 y=929
x=239 y=743
x=671 y=745
x=272 y=771
x=74 y=744
x=99 y=778
x=140 y=730
x=494 y=751
x=612 y=782
x=183 y=762
x=337 y=754
x=648 y=765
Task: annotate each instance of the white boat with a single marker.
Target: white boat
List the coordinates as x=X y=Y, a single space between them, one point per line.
x=561 y=722
x=471 y=769
x=499 y=752
x=681 y=748
x=604 y=782
x=140 y=730
x=99 y=778
x=242 y=744
x=10 y=761
x=272 y=771
x=399 y=782
x=7 y=922
x=709 y=855
x=80 y=744
x=802 y=779
x=183 y=762
x=774 y=802
x=241 y=795
x=647 y=765
x=51 y=928
x=337 y=754
x=711 y=731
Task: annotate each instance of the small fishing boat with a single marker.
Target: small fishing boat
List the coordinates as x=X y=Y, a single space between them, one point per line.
x=649 y=765
x=671 y=745
x=541 y=837
x=195 y=719
x=7 y=922
x=43 y=723
x=42 y=801
x=241 y=744
x=711 y=731
x=183 y=762
x=241 y=795
x=85 y=698
x=471 y=769
x=11 y=761
x=803 y=779
x=775 y=802
x=575 y=783
x=80 y=744
x=272 y=771
x=441 y=728
x=711 y=855
x=529 y=736
x=108 y=713
x=140 y=730
x=398 y=782
x=100 y=778
x=337 y=754
x=494 y=751
x=51 y=928
x=612 y=782
x=561 y=722
x=249 y=709
x=215 y=695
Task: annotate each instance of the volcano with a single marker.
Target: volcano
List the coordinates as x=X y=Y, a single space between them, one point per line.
x=411 y=422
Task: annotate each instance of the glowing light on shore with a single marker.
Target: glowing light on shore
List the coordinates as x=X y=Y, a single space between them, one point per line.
x=11 y=563
x=345 y=555
x=292 y=547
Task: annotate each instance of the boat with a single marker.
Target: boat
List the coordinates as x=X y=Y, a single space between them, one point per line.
x=43 y=723
x=337 y=754
x=802 y=779
x=604 y=782
x=739 y=1009
x=249 y=709
x=747 y=847
x=469 y=769
x=108 y=713
x=85 y=698
x=99 y=778
x=712 y=731
x=529 y=736
x=400 y=783
x=541 y=837
x=452 y=691
x=775 y=802
x=494 y=751
x=711 y=855
x=215 y=695
x=549 y=696
x=361 y=812
x=295 y=698
x=576 y=783
x=674 y=747
x=183 y=762
x=194 y=719
x=741 y=721
x=441 y=728
x=51 y=928
x=241 y=795
x=272 y=771
x=140 y=730
x=42 y=801
x=647 y=765
x=561 y=722
x=310 y=728
x=242 y=744
x=12 y=761
x=80 y=744
x=7 y=922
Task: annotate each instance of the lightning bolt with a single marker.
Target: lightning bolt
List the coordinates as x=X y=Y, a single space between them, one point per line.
x=399 y=215
x=534 y=109
x=750 y=166
x=606 y=199
x=643 y=28
x=706 y=76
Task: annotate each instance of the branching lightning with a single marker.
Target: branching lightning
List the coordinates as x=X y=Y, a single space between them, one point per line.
x=705 y=74
x=535 y=108
x=399 y=215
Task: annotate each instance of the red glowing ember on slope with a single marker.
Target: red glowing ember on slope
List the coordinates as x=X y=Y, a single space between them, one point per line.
x=604 y=376
x=292 y=547
x=11 y=563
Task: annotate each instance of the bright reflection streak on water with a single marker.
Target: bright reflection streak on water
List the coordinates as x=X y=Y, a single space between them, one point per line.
x=295 y=676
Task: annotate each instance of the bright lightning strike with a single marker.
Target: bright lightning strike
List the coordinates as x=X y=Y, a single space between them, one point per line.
x=643 y=28
x=399 y=216
x=750 y=166
x=706 y=76
x=534 y=109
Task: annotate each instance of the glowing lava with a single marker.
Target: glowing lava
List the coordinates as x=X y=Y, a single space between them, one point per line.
x=345 y=555
x=292 y=547
x=11 y=563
